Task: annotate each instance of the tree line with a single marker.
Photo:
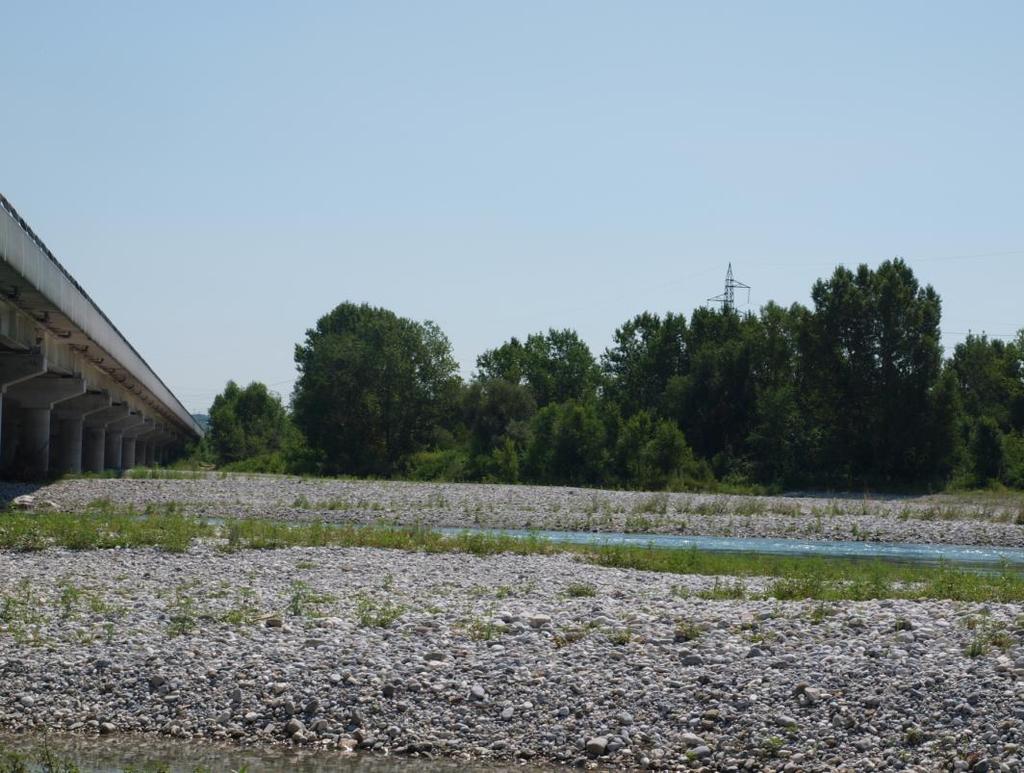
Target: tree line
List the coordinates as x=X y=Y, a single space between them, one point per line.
x=852 y=391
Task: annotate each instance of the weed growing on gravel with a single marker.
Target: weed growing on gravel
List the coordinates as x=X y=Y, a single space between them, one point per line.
x=484 y=628
x=772 y=745
x=19 y=613
x=687 y=631
x=578 y=590
x=722 y=591
x=820 y=613
x=69 y=598
x=567 y=636
x=371 y=613
x=986 y=635
x=1001 y=639
x=976 y=648
x=620 y=637
x=246 y=609
x=913 y=736
x=156 y=473
x=183 y=615
x=656 y=504
x=305 y=601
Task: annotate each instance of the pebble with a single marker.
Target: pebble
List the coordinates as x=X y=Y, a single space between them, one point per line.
x=597 y=745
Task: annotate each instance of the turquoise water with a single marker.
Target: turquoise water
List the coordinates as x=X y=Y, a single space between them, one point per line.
x=979 y=556
x=970 y=555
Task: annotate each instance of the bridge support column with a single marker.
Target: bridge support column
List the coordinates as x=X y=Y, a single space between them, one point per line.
x=69 y=445
x=8 y=434
x=131 y=440
x=15 y=367
x=96 y=424
x=127 y=453
x=37 y=397
x=70 y=417
x=116 y=432
x=94 y=448
x=112 y=454
x=34 y=450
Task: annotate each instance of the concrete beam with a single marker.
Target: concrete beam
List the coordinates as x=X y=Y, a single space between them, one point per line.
x=146 y=427
x=127 y=422
x=83 y=405
x=108 y=415
x=45 y=391
x=16 y=367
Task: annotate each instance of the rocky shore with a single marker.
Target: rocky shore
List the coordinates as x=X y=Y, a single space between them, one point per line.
x=538 y=658
x=946 y=519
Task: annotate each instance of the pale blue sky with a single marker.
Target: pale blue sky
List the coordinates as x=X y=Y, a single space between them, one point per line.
x=219 y=175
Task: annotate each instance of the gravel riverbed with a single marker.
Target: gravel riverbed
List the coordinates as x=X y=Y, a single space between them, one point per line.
x=946 y=519
x=531 y=658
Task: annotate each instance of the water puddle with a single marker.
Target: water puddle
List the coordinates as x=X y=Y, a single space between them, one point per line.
x=115 y=755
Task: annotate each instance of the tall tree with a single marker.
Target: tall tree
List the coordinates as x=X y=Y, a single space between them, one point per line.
x=373 y=387
x=871 y=359
x=714 y=401
x=648 y=350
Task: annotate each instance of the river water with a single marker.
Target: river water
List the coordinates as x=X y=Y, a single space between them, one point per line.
x=907 y=552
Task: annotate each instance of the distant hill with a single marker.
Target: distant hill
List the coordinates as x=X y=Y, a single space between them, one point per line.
x=203 y=420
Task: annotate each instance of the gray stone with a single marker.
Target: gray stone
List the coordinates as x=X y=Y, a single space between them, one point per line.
x=596 y=746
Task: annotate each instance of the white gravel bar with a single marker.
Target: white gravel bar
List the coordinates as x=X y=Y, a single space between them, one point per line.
x=938 y=519
x=499 y=659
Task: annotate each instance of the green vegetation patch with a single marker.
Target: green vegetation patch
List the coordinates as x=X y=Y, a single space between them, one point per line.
x=794 y=578
x=101 y=526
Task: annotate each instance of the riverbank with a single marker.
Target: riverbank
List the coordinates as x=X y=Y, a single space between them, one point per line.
x=503 y=657
x=976 y=519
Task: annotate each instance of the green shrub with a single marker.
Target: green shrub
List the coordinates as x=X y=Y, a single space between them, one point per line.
x=447 y=465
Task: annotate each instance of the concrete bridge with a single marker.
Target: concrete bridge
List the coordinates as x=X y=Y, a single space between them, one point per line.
x=74 y=394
